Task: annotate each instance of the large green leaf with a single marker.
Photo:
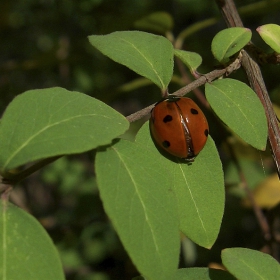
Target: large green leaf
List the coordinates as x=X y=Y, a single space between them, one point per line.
x=49 y=122
x=138 y=186
x=27 y=252
x=199 y=188
x=247 y=264
x=148 y=55
x=230 y=41
x=238 y=106
x=270 y=33
x=136 y=189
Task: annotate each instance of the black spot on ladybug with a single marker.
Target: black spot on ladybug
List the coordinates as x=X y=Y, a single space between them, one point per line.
x=167 y=119
x=206 y=132
x=166 y=144
x=194 y=111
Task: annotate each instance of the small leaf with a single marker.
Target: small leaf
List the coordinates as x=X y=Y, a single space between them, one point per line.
x=229 y=42
x=202 y=274
x=49 y=122
x=27 y=252
x=160 y=22
x=270 y=33
x=148 y=55
x=238 y=106
x=191 y=59
x=141 y=204
x=247 y=264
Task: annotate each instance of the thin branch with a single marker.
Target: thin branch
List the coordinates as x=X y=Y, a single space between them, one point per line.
x=188 y=88
x=255 y=78
x=187 y=79
x=256 y=81
x=5 y=191
x=14 y=178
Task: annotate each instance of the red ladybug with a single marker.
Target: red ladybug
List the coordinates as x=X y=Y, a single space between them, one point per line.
x=179 y=126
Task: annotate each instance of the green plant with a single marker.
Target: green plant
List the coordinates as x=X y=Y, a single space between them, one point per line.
x=148 y=197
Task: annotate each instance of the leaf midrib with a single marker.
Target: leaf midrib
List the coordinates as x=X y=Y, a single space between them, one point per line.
x=194 y=202
x=146 y=59
x=25 y=143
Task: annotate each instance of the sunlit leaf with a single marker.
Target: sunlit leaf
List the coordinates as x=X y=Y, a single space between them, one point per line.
x=49 y=122
x=148 y=55
x=238 y=106
x=199 y=188
x=247 y=264
x=27 y=252
x=136 y=189
x=191 y=59
x=270 y=33
x=230 y=41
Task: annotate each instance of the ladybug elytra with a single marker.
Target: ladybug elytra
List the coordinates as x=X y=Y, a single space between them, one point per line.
x=179 y=126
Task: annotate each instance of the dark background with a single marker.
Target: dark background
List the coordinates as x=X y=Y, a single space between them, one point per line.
x=44 y=44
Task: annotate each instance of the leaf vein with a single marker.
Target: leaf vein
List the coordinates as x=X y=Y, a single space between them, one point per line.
x=194 y=202
x=146 y=59
x=140 y=199
x=25 y=143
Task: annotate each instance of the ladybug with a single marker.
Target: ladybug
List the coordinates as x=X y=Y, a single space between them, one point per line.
x=179 y=126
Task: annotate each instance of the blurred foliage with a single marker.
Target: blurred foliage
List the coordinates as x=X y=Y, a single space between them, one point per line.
x=43 y=44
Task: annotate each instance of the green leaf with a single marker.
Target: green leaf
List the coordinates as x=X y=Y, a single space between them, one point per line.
x=229 y=42
x=148 y=55
x=202 y=274
x=49 y=122
x=247 y=264
x=270 y=33
x=238 y=106
x=160 y=22
x=191 y=59
x=27 y=252
x=136 y=189
x=199 y=189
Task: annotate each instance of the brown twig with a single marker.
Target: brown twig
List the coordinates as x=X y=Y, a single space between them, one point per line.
x=186 y=89
x=187 y=80
x=255 y=78
x=14 y=178
x=5 y=190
